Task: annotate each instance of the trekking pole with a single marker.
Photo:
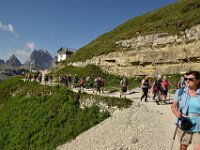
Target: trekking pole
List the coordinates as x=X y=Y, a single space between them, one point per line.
x=174 y=136
x=169 y=95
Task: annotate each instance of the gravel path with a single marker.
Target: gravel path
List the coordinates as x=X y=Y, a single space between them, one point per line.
x=143 y=126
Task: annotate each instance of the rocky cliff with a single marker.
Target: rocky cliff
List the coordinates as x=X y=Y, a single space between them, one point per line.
x=152 y=54
x=41 y=59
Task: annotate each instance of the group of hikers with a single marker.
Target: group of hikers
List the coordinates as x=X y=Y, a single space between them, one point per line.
x=97 y=84
x=159 y=88
x=47 y=78
x=185 y=105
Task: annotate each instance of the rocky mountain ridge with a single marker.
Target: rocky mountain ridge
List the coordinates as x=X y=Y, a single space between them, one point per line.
x=41 y=59
x=153 y=54
x=13 y=61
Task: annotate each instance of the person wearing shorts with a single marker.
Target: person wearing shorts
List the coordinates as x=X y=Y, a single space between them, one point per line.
x=186 y=106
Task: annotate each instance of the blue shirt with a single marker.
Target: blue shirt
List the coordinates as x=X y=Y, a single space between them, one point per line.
x=187 y=105
x=194 y=107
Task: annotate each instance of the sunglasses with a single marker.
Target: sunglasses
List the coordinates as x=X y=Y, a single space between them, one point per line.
x=190 y=79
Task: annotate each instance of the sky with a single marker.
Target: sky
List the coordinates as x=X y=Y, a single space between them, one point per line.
x=26 y=25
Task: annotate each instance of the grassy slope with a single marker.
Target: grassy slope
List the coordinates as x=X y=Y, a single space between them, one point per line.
x=170 y=19
x=44 y=121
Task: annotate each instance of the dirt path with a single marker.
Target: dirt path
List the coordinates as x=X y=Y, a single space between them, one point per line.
x=143 y=126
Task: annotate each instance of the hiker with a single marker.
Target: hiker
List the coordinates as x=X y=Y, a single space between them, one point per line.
x=154 y=91
x=82 y=83
x=102 y=85
x=157 y=85
x=46 y=79
x=29 y=77
x=164 y=87
x=97 y=82
x=69 y=79
x=145 y=88
x=66 y=80
x=61 y=79
x=186 y=107
x=50 y=79
x=124 y=85
x=40 y=77
x=181 y=83
x=87 y=84
x=76 y=79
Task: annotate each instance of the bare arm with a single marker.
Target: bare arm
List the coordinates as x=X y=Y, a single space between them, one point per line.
x=152 y=87
x=175 y=110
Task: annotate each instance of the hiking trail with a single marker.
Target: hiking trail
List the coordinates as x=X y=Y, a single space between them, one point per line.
x=143 y=126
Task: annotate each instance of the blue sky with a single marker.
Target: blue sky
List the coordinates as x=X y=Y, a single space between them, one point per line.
x=26 y=25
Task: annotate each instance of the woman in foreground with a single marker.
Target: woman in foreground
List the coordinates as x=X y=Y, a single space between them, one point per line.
x=186 y=107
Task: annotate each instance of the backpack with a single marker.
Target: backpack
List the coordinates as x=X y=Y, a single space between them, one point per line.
x=165 y=84
x=76 y=79
x=146 y=83
x=98 y=81
x=124 y=83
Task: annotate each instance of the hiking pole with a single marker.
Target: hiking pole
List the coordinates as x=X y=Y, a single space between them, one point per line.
x=174 y=136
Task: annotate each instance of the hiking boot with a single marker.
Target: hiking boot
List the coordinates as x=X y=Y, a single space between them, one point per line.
x=157 y=102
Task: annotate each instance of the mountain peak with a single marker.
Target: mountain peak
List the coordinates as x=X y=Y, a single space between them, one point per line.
x=13 y=61
x=41 y=59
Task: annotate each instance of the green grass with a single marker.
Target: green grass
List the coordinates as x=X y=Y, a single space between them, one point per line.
x=170 y=19
x=34 y=119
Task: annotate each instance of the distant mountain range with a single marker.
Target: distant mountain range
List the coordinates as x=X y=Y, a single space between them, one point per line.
x=39 y=60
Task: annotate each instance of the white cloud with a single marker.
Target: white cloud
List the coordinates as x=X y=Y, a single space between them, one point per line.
x=8 y=28
x=24 y=53
x=30 y=45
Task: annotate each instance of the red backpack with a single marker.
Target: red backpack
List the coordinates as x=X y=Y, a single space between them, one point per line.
x=165 y=83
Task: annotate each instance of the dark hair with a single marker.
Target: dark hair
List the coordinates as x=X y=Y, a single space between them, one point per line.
x=195 y=73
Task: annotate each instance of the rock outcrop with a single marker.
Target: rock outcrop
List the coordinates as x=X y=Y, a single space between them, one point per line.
x=152 y=54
